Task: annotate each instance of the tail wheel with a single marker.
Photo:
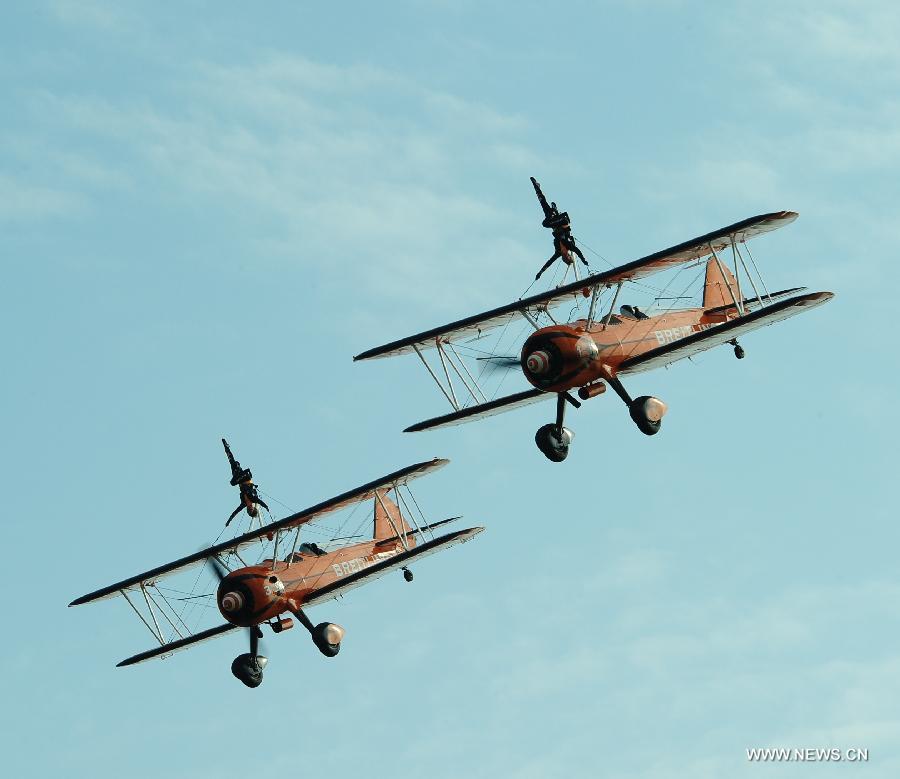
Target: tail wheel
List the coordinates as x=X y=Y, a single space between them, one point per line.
x=647 y=413
x=551 y=445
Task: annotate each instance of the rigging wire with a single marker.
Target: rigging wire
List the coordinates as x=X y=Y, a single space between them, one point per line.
x=637 y=283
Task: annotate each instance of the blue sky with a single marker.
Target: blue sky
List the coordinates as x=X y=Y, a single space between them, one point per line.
x=207 y=209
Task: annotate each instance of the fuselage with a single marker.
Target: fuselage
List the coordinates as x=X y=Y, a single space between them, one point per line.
x=257 y=593
x=562 y=357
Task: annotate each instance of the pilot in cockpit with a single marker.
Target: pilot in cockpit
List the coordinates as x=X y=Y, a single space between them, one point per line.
x=305 y=549
x=632 y=312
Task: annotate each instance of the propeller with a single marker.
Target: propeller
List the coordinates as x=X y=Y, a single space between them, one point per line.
x=255 y=631
x=500 y=362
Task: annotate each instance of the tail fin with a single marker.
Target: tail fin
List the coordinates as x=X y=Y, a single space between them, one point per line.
x=715 y=289
x=383 y=528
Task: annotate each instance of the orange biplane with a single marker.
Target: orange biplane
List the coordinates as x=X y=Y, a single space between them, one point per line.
x=251 y=595
x=587 y=354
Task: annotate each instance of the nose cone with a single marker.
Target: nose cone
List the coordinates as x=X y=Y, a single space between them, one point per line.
x=231 y=602
x=538 y=362
x=239 y=596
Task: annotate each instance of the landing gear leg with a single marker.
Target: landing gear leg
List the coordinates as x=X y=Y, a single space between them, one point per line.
x=738 y=349
x=646 y=411
x=248 y=667
x=326 y=636
x=554 y=439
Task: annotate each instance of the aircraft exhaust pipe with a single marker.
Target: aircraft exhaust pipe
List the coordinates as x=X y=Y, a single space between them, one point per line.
x=589 y=391
x=283 y=623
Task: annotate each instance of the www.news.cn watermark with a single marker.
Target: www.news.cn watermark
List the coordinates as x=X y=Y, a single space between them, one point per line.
x=807 y=755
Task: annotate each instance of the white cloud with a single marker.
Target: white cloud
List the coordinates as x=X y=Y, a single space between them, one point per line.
x=24 y=200
x=307 y=150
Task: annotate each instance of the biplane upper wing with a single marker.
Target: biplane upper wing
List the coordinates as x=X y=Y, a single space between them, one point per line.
x=365 y=492
x=720 y=334
x=695 y=249
x=354 y=580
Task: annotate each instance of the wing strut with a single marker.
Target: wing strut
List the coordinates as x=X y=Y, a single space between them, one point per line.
x=736 y=256
x=761 y=279
x=156 y=634
x=402 y=536
x=446 y=354
x=402 y=506
x=612 y=306
x=734 y=298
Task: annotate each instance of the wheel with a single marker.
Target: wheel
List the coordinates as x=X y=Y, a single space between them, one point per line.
x=246 y=668
x=407 y=574
x=327 y=637
x=647 y=413
x=739 y=351
x=552 y=447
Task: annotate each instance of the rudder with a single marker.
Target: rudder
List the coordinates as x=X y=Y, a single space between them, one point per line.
x=383 y=528
x=715 y=288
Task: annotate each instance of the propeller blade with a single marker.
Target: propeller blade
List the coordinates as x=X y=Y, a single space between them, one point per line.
x=500 y=359
x=217 y=566
x=255 y=632
x=501 y=363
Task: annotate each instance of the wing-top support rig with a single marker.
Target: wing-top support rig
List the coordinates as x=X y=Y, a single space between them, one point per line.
x=588 y=354
x=289 y=577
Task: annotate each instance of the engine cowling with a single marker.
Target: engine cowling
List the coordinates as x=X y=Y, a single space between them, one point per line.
x=243 y=596
x=556 y=356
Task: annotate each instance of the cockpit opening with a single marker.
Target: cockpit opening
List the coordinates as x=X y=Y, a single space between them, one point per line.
x=632 y=312
x=305 y=550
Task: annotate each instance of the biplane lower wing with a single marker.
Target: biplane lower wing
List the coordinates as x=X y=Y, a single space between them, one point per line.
x=720 y=334
x=353 y=580
x=694 y=249
x=358 y=495
x=175 y=646
x=482 y=410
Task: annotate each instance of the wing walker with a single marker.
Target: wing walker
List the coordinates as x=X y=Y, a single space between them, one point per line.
x=588 y=354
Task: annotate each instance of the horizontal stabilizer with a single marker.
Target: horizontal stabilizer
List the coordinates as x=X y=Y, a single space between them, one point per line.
x=175 y=646
x=750 y=304
x=419 y=530
x=482 y=410
x=719 y=334
x=353 y=580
